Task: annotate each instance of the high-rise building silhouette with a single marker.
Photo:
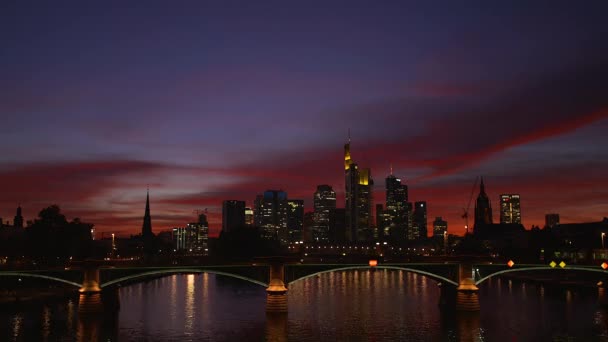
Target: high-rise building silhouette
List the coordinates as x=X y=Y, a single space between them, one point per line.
x=146 y=229
x=358 y=198
x=18 y=220
x=193 y=238
x=439 y=227
x=510 y=208
x=233 y=215
x=551 y=220
x=420 y=219
x=308 y=225
x=249 y=220
x=324 y=204
x=483 y=207
x=395 y=214
x=382 y=224
x=295 y=219
x=271 y=215
x=412 y=230
x=337 y=226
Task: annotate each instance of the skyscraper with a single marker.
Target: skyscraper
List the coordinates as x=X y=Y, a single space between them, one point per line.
x=439 y=227
x=324 y=203
x=146 y=229
x=483 y=207
x=510 y=209
x=381 y=221
x=359 y=199
x=18 y=220
x=396 y=208
x=271 y=215
x=412 y=230
x=249 y=221
x=193 y=238
x=295 y=219
x=420 y=219
x=233 y=215
x=337 y=226
x=551 y=220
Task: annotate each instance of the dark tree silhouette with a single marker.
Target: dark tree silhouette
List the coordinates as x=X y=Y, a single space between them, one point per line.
x=51 y=236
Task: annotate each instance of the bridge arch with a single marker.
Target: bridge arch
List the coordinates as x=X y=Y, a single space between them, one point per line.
x=39 y=276
x=407 y=269
x=541 y=268
x=178 y=271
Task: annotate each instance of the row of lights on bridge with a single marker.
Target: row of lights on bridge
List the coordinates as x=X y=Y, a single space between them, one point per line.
x=562 y=264
x=356 y=247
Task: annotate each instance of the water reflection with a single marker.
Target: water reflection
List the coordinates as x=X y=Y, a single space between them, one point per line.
x=17 y=324
x=468 y=325
x=276 y=327
x=46 y=323
x=189 y=321
x=97 y=327
x=345 y=305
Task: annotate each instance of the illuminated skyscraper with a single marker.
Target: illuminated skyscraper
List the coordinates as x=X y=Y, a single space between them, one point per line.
x=146 y=229
x=382 y=222
x=483 y=207
x=510 y=209
x=193 y=238
x=395 y=215
x=295 y=219
x=420 y=219
x=271 y=215
x=359 y=199
x=439 y=227
x=249 y=221
x=412 y=230
x=324 y=204
x=233 y=215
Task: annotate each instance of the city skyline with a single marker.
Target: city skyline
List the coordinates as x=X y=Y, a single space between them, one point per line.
x=186 y=103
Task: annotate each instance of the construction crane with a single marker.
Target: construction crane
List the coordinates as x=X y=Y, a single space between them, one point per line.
x=465 y=214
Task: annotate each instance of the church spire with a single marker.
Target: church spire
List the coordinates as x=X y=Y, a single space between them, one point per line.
x=482 y=187
x=146 y=229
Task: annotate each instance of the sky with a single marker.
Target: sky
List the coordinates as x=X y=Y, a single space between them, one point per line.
x=203 y=101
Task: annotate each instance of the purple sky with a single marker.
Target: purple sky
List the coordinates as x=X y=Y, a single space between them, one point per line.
x=221 y=100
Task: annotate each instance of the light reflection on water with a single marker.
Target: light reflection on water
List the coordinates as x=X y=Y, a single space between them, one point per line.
x=346 y=305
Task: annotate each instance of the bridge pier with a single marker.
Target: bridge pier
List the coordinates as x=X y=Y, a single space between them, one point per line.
x=467 y=293
x=90 y=304
x=90 y=283
x=276 y=293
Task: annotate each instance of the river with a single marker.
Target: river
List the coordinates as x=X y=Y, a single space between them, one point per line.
x=383 y=305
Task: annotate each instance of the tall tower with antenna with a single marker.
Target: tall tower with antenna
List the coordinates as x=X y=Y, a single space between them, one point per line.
x=358 y=198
